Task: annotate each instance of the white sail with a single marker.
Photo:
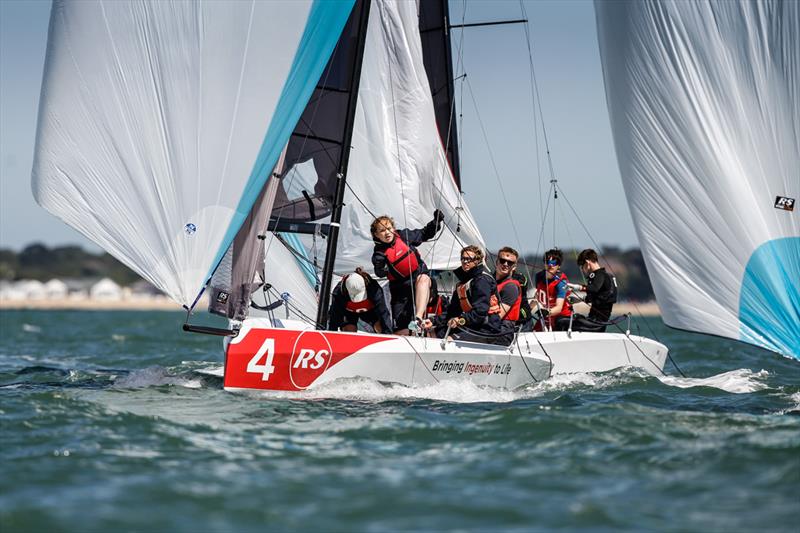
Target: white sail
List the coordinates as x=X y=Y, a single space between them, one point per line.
x=160 y=121
x=704 y=99
x=397 y=162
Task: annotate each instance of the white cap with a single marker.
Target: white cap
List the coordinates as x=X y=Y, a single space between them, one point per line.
x=356 y=287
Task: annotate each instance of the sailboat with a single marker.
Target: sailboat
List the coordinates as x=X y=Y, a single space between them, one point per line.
x=704 y=100
x=218 y=148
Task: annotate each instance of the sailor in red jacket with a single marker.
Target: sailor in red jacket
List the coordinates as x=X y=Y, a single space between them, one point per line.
x=396 y=257
x=552 y=294
x=358 y=297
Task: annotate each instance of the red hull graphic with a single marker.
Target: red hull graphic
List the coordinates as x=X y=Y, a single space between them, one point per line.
x=288 y=360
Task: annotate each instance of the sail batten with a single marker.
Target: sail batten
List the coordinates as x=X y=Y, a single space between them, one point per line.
x=705 y=111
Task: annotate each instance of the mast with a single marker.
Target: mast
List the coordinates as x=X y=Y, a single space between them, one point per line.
x=336 y=214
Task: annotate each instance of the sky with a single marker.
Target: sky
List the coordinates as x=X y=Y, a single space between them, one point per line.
x=496 y=61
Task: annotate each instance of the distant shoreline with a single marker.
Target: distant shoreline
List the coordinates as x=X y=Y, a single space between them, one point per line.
x=164 y=304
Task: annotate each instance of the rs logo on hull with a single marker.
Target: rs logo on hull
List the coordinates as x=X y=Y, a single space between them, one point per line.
x=310 y=359
x=306 y=365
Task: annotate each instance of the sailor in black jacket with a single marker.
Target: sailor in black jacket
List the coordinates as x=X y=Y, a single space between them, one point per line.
x=396 y=257
x=358 y=297
x=474 y=310
x=601 y=293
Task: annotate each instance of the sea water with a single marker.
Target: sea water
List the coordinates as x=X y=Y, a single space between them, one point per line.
x=108 y=425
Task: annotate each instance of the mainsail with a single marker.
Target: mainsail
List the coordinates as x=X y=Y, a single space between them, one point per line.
x=704 y=99
x=160 y=122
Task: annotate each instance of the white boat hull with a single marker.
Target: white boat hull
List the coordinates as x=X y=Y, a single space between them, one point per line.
x=289 y=356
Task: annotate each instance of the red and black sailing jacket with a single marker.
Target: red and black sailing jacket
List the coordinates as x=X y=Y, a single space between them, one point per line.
x=402 y=260
x=513 y=313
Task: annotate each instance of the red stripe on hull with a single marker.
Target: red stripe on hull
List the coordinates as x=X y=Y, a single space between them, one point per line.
x=288 y=360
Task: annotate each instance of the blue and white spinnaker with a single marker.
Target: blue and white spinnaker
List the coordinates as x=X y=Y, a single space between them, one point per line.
x=704 y=99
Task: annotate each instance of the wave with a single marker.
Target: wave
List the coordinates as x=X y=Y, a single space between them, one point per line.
x=739 y=381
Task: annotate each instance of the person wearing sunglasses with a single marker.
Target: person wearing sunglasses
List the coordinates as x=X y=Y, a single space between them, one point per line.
x=474 y=312
x=512 y=288
x=552 y=293
x=508 y=289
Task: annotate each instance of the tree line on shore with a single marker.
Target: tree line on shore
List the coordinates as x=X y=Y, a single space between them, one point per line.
x=39 y=262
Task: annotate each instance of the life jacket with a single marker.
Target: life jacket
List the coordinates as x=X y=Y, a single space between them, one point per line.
x=462 y=291
x=359 y=307
x=435 y=306
x=513 y=312
x=549 y=289
x=402 y=258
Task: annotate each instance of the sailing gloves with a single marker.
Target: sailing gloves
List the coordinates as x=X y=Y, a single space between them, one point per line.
x=438 y=218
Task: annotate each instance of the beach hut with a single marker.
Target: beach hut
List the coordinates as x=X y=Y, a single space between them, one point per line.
x=55 y=289
x=105 y=289
x=32 y=289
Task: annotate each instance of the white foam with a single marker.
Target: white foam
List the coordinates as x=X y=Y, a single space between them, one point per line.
x=152 y=377
x=740 y=381
x=360 y=389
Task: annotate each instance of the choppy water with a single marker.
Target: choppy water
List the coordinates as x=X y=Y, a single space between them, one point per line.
x=106 y=425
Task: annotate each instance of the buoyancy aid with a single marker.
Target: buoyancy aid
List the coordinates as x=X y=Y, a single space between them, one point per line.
x=549 y=290
x=402 y=259
x=462 y=290
x=436 y=306
x=359 y=307
x=513 y=312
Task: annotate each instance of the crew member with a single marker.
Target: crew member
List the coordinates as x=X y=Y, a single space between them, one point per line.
x=395 y=256
x=509 y=291
x=601 y=293
x=358 y=297
x=474 y=310
x=525 y=321
x=552 y=293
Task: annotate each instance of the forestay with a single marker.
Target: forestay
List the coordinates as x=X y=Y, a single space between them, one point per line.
x=160 y=121
x=704 y=99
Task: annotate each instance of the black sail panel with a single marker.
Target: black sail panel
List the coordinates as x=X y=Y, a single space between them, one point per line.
x=314 y=152
x=434 y=19
x=300 y=195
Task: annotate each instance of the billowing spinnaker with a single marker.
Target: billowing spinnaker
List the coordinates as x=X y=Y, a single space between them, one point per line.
x=159 y=121
x=704 y=99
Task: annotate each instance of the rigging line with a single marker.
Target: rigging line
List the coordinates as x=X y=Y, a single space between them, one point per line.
x=297 y=254
x=569 y=235
x=494 y=166
x=539 y=342
x=522 y=357
x=399 y=161
x=636 y=345
x=540 y=247
x=445 y=163
x=534 y=97
x=419 y=357
x=293 y=308
x=639 y=314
